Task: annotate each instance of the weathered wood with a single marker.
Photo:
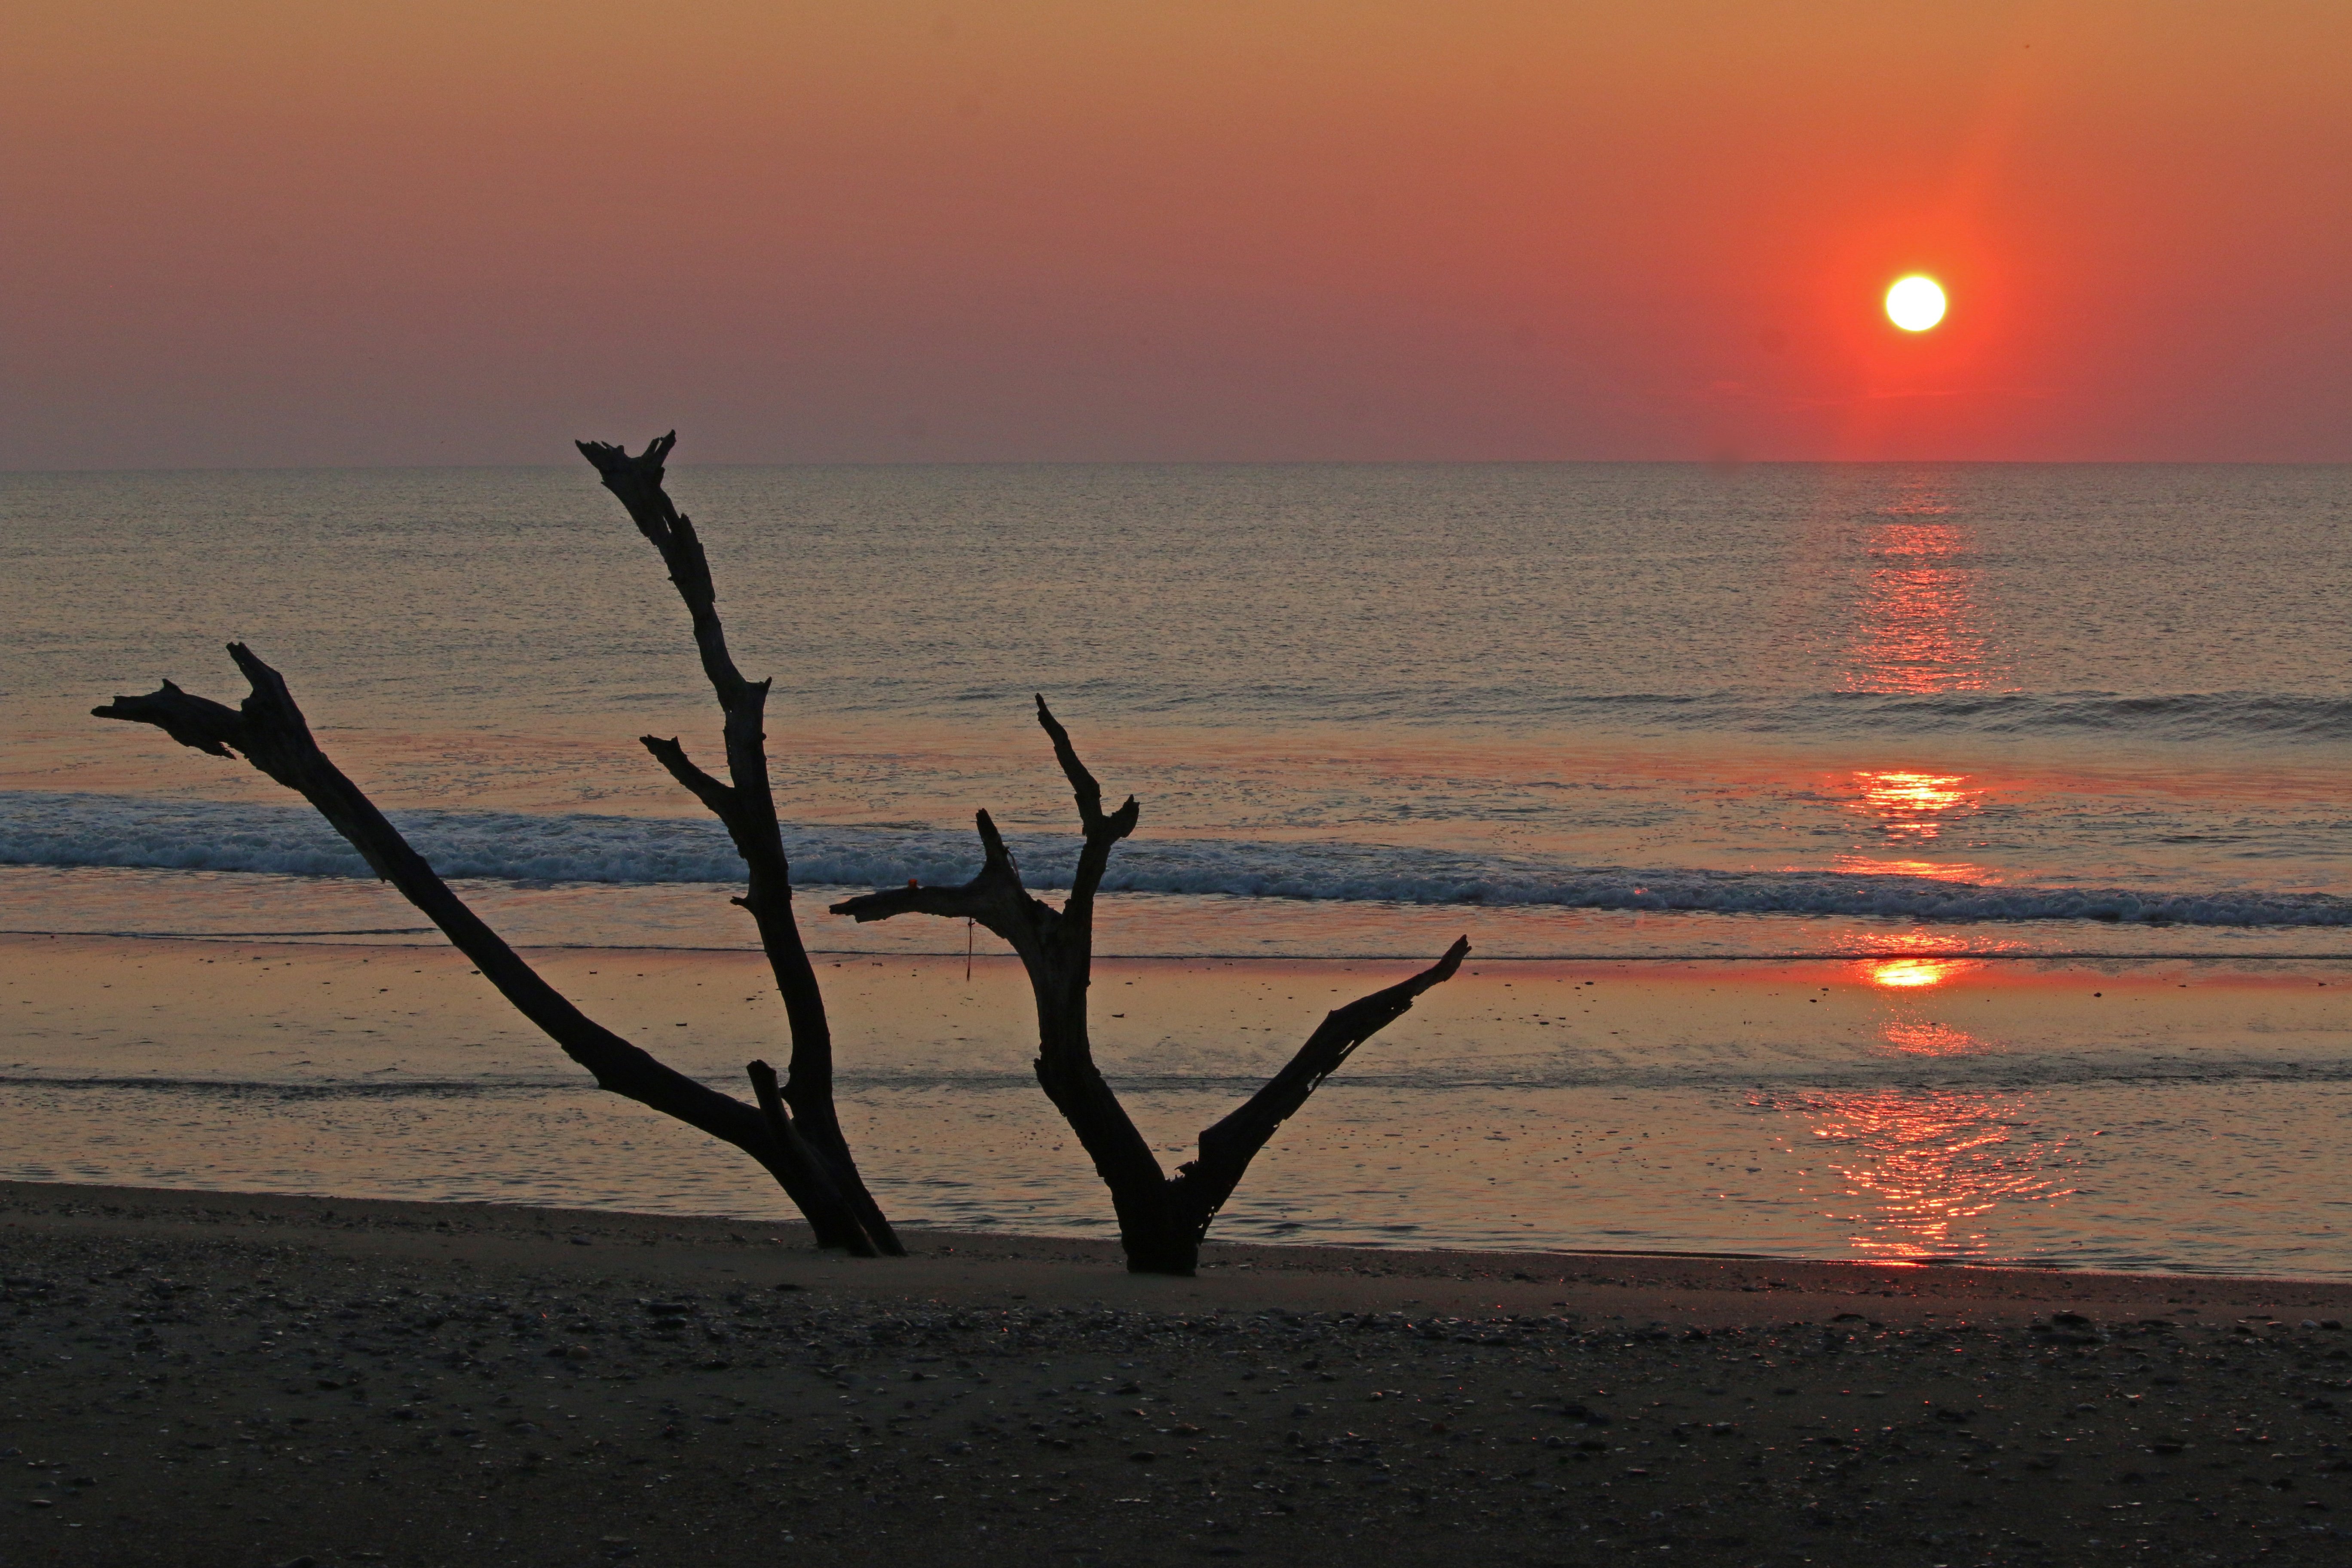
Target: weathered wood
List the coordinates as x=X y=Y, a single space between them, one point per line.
x=1161 y=1219
x=807 y=1165
x=1228 y=1147
x=745 y=805
x=270 y=731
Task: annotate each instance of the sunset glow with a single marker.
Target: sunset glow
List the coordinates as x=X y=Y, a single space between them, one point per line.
x=1916 y=304
x=1064 y=232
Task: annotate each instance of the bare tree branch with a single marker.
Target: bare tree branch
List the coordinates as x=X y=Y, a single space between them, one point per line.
x=1228 y=1147
x=1101 y=832
x=1161 y=1220
x=746 y=805
x=994 y=898
x=270 y=733
x=672 y=756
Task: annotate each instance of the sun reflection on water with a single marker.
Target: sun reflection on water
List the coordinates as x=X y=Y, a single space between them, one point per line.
x=1909 y=805
x=1936 y=870
x=1919 y=960
x=1918 y=628
x=1921 y=1172
x=1910 y=810
x=1920 y=1038
x=1923 y=1169
x=1910 y=974
x=1894 y=792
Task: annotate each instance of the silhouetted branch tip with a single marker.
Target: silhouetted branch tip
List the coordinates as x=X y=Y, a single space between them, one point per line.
x=991 y=844
x=1082 y=781
x=197 y=722
x=609 y=458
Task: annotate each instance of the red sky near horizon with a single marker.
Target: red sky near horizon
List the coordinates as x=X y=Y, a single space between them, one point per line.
x=289 y=232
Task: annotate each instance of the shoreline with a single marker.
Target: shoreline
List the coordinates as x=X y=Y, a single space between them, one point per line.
x=1741 y=1271
x=945 y=1258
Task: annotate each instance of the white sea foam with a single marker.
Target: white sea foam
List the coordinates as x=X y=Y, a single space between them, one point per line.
x=40 y=828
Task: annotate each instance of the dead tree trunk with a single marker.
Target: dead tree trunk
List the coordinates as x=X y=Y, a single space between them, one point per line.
x=1161 y=1219
x=794 y=1131
x=746 y=805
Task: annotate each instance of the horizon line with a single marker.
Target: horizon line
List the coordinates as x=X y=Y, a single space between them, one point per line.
x=1723 y=467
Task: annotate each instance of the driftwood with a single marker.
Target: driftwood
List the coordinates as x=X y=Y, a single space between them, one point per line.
x=794 y=1131
x=1161 y=1219
x=746 y=805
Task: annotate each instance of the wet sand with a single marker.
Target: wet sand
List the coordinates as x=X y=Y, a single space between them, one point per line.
x=200 y=1378
x=165 y=1006
x=2182 y=1116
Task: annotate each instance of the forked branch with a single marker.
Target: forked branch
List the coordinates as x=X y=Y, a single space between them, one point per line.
x=1101 y=832
x=1161 y=1219
x=1227 y=1148
x=268 y=730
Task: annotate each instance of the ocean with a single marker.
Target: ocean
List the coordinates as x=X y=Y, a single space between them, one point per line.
x=1900 y=729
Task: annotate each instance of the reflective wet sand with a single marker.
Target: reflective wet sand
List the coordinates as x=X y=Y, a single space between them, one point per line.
x=1909 y=1106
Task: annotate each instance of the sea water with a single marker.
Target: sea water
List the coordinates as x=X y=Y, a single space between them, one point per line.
x=1900 y=716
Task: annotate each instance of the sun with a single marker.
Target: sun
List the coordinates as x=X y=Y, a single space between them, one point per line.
x=1916 y=303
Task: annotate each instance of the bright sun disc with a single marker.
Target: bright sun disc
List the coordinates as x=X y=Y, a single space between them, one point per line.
x=1915 y=304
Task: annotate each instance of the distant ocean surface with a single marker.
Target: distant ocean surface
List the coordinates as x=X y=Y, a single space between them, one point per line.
x=1984 y=697
x=1597 y=710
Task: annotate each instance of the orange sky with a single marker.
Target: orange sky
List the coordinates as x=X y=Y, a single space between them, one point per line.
x=302 y=231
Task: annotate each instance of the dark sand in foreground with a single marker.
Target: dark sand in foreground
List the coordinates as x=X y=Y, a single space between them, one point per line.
x=200 y=1378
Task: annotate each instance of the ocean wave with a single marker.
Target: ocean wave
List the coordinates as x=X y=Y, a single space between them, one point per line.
x=2223 y=716
x=57 y=829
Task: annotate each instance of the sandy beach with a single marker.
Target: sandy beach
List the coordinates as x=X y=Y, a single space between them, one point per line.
x=199 y=1378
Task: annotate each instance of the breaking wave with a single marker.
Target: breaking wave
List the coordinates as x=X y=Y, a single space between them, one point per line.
x=75 y=829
